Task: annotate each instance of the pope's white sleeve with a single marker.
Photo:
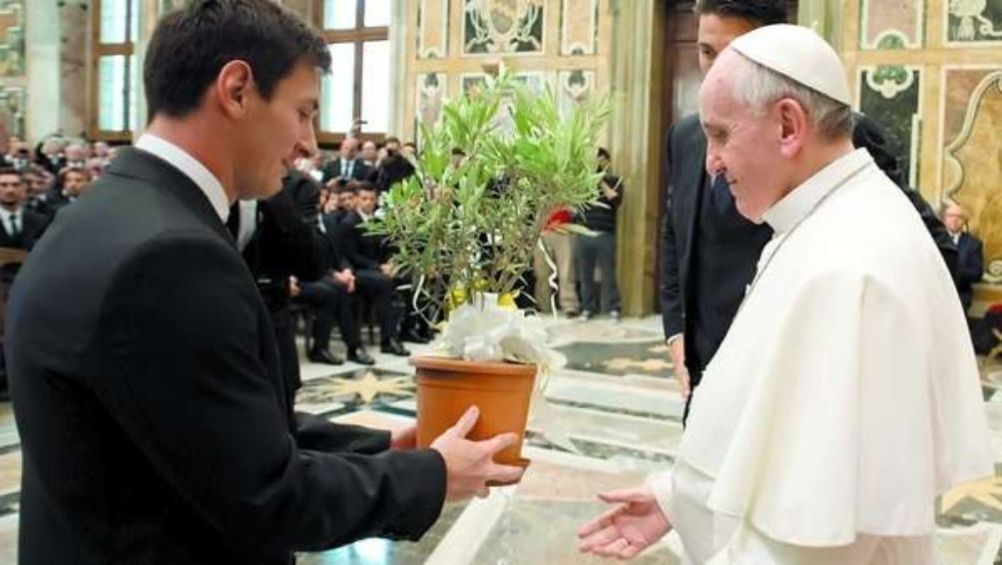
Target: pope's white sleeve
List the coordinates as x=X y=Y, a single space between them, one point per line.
x=750 y=546
x=662 y=485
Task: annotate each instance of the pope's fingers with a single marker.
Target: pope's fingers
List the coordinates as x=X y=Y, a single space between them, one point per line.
x=633 y=494
x=604 y=520
x=601 y=538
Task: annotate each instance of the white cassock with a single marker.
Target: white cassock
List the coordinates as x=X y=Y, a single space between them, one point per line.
x=845 y=396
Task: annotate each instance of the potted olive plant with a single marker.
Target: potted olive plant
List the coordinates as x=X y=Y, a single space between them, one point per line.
x=465 y=227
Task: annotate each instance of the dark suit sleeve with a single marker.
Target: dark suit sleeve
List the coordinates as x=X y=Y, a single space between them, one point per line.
x=972 y=262
x=316 y=433
x=671 y=298
x=296 y=239
x=353 y=246
x=177 y=361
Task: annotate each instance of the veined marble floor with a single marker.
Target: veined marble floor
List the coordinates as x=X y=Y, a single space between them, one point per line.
x=618 y=402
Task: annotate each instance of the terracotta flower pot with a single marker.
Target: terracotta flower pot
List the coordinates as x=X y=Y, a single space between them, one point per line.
x=447 y=387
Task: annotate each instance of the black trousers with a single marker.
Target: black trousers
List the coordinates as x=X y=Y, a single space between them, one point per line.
x=598 y=251
x=334 y=305
x=379 y=290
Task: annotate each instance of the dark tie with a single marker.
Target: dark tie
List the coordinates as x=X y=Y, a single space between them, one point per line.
x=233 y=221
x=15 y=229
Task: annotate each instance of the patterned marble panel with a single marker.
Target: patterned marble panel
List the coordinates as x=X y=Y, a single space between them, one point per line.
x=74 y=19
x=12 y=25
x=430 y=91
x=972 y=161
x=361 y=388
x=503 y=26
x=973 y=22
x=578 y=27
x=574 y=87
x=891 y=24
x=433 y=29
x=13 y=107
x=892 y=95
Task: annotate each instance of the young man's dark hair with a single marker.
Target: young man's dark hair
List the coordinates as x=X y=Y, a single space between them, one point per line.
x=268 y=37
x=4 y=171
x=365 y=186
x=351 y=186
x=603 y=152
x=72 y=169
x=759 y=12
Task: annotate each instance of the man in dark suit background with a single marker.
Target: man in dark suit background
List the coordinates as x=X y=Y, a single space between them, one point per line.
x=22 y=227
x=72 y=181
x=144 y=370
x=347 y=166
x=970 y=253
x=374 y=270
x=708 y=250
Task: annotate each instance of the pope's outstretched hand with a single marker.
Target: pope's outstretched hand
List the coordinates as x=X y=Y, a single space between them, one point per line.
x=626 y=530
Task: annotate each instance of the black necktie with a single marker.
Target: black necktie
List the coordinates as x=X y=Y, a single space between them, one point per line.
x=15 y=229
x=233 y=221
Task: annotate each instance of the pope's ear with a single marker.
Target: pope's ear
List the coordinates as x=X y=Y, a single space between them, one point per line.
x=794 y=124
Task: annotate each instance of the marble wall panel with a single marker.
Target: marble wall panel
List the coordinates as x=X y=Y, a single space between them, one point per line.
x=578 y=27
x=433 y=29
x=431 y=90
x=574 y=87
x=973 y=23
x=13 y=109
x=74 y=23
x=891 y=24
x=12 y=25
x=891 y=95
x=972 y=161
x=503 y=26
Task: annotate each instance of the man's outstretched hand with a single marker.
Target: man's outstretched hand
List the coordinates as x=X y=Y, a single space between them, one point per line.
x=626 y=530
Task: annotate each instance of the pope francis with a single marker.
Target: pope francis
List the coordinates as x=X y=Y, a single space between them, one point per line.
x=845 y=396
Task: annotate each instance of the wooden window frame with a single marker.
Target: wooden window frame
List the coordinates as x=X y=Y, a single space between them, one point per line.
x=359 y=36
x=98 y=50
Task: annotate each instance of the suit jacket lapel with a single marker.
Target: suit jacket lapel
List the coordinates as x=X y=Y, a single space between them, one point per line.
x=138 y=164
x=695 y=178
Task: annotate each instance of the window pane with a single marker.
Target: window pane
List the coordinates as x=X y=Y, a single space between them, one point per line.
x=340 y=14
x=377 y=13
x=112 y=93
x=376 y=85
x=338 y=91
x=114 y=14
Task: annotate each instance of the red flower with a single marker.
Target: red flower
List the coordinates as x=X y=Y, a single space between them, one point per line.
x=557 y=218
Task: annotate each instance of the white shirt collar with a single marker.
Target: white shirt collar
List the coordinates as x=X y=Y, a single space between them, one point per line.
x=191 y=167
x=796 y=205
x=7 y=213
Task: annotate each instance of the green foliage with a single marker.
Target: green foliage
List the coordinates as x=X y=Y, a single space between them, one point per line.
x=475 y=225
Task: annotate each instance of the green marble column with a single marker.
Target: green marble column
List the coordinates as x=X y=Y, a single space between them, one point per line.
x=824 y=17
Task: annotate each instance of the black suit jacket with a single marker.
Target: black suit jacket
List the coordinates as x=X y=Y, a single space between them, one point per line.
x=334 y=242
x=33 y=225
x=150 y=404
x=360 y=171
x=364 y=251
x=970 y=266
x=687 y=182
x=287 y=240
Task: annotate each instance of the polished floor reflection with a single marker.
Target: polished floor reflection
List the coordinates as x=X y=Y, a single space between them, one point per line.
x=617 y=403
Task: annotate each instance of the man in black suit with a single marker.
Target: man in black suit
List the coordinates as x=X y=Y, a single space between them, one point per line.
x=347 y=166
x=144 y=370
x=72 y=182
x=334 y=296
x=279 y=238
x=374 y=270
x=709 y=251
x=970 y=253
x=21 y=227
